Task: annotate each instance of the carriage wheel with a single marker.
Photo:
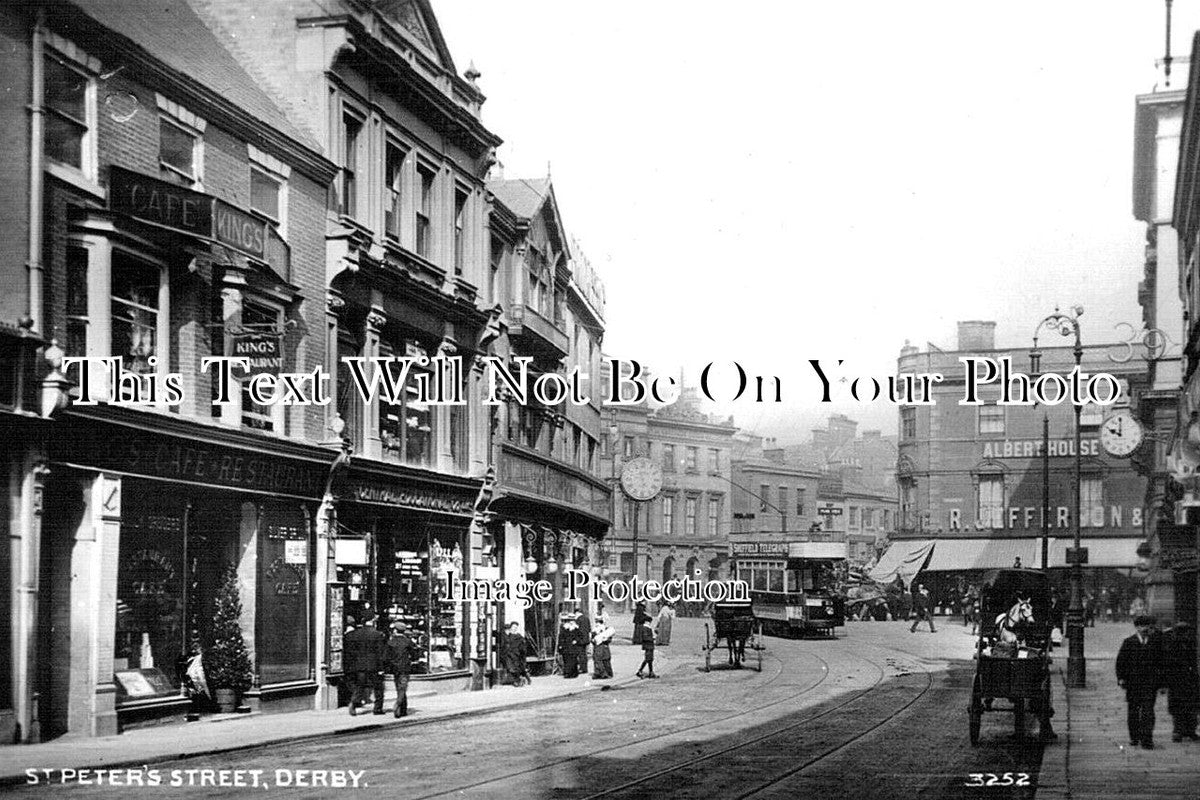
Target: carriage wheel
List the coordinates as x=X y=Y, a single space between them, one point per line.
x=975 y=710
x=1019 y=718
x=708 y=648
x=760 y=649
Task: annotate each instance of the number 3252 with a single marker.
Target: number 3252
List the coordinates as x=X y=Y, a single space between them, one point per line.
x=992 y=779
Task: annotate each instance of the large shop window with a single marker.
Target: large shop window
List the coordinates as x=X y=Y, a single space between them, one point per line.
x=415 y=570
x=282 y=636
x=151 y=591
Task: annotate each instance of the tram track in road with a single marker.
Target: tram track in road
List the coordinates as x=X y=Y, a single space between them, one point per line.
x=682 y=766
x=779 y=671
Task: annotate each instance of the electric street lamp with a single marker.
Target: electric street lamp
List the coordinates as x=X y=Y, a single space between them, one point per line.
x=1066 y=325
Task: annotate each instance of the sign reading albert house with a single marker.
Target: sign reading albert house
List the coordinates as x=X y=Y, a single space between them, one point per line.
x=174 y=207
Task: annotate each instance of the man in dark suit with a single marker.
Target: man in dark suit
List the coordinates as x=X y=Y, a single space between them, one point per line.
x=400 y=653
x=1140 y=671
x=365 y=653
x=923 y=604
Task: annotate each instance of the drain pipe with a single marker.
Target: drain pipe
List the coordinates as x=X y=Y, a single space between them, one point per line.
x=37 y=114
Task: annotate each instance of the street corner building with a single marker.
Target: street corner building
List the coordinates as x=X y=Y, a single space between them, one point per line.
x=987 y=486
x=315 y=187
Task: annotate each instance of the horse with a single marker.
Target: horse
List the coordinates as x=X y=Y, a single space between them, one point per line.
x=736 y=642
x=1006 y=623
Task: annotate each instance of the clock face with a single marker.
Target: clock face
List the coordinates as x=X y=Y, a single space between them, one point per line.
x=641 y=479
x=1120 y=434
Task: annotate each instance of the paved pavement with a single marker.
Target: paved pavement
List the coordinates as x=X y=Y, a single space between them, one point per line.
x=1093 y=758
x=228 y=732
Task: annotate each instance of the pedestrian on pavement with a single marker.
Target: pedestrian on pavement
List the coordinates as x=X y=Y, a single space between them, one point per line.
x=572 y=644
x=513 y=655
x=601 y=652
x=1139 y=672
x=923 y=605
x=366 y=650
x=666 y=617
x=1183 y=686
x=647 y=651
x=640 y=618
x=400 y=651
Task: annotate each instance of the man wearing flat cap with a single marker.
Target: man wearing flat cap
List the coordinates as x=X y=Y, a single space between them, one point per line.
x=1140 y=672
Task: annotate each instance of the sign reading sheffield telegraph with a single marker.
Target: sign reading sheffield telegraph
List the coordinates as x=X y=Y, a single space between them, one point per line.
x=195 y=213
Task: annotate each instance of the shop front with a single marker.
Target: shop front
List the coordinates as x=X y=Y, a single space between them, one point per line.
x=403 y=537
x=147 y=520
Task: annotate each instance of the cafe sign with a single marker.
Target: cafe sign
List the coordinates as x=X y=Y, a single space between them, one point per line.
x=197 y=214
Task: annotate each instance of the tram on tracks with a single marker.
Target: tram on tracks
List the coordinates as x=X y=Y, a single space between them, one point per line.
x=793 y=585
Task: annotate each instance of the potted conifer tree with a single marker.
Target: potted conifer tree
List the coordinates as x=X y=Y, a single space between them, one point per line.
x=227 y=662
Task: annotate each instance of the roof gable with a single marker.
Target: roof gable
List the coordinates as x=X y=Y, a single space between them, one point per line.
x=416 y=19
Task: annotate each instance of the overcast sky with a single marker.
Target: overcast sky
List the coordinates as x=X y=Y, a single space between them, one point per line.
x=771 y=182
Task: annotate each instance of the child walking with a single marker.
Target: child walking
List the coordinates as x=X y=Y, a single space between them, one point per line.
x=648 y=650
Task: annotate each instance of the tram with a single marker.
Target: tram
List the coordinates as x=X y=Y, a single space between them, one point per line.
x=793 y=585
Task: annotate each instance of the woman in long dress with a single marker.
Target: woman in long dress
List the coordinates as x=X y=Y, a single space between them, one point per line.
x=640 y=617
x=666 y=618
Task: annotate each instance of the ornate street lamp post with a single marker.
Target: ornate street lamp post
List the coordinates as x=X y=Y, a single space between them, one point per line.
x=1066 y=325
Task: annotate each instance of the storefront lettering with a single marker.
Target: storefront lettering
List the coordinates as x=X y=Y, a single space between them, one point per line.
x=285 y=578
x=412 y=498
x=1030 y=518
x=198 y=463
x=1032 y=448
x=239 y=230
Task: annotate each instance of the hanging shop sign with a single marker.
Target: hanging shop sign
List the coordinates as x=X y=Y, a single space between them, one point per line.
x=198 y=214
x=262 y=350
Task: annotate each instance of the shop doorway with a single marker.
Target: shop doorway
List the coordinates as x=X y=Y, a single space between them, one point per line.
x=62 y=514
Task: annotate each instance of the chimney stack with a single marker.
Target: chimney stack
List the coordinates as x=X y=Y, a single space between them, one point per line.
x=976 y=335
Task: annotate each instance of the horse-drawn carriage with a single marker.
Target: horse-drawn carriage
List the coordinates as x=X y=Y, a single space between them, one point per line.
x=734 y=623
x=1012 y=656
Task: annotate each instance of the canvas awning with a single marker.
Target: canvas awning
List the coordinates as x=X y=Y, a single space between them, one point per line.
x=967 y=554
x=1107 y=552
x=903 y=559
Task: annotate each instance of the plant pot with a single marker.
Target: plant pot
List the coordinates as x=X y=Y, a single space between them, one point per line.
x=227 y=700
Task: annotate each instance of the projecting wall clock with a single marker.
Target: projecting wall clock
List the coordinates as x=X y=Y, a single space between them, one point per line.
x=641 y=479
x=1121 y=434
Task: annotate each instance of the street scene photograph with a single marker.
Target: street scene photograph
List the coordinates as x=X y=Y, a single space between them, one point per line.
x=530 y=399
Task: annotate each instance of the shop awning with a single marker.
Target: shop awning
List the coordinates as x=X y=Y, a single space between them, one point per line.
x=966 y=554
x=903 y=559
x=1114 y=552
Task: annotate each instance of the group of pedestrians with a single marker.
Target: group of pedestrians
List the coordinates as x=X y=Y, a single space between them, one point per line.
x=369 y=654
x=1150 y=661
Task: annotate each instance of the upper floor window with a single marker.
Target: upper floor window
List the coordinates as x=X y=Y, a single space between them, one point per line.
x=908 y=423
x=495 y=254
x=714 y=460
x=352 y=126
x=853 y=522
x=628 y=447
x=136 y=310
x=266 y=195
x=77 y=300
x=783 y=500
x=425 y=212
x=178 y=153
x=393 y=180
x=689 y=516
x=991 y=502
x=460 y=236
x=668 y=457
x=668 y=514
x=260 y=318
x=763 y=491
x=690 y=460
x=406 y=427
x=991 y=419
x=799 y=501
x=714 y=516
x=70 y=121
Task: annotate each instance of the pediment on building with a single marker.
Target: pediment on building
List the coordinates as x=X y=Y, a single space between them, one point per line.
x=416 y=20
